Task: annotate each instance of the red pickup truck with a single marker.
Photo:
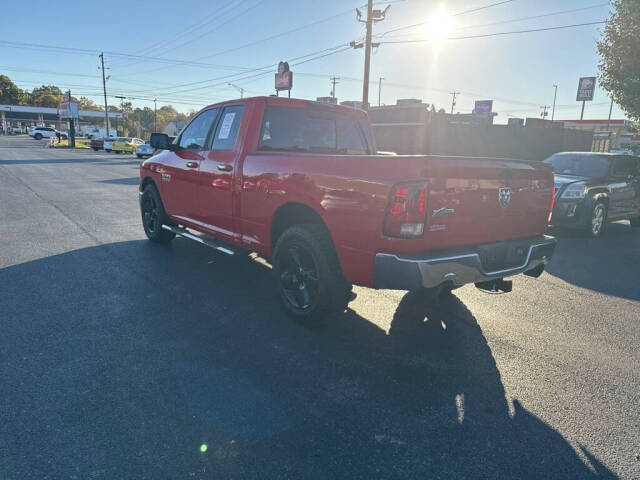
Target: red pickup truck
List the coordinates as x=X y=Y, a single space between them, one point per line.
x=300 y=183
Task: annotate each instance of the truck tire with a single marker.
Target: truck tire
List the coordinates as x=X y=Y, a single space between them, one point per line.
x=597 y=220
x=308 y=274
x=38 y=136
x=138 y=155
x=154 y=216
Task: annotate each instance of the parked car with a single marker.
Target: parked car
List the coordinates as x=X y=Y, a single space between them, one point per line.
x=144 y=150
x=40 y=132
x=16 y=130
x=595 y=188
x=97 y=143
x=107 y=144
x=300 y=183
x=126 y=144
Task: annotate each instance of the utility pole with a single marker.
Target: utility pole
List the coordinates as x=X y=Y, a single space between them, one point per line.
x=240 y=89
x=334 y=81
x=555 y=94
x=609 y=119
x=609 y=123
x=380 y=89
x=373 y=16
x=121 y=110
x=104 y=89
x=454 y=94
x=155 y=114
x=544 y=112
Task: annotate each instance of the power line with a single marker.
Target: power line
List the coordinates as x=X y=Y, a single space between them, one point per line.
x=192 y=28
x=514 y=20
x=277 y=35
x=265 y=70
x=464 y=12
x=496 y=34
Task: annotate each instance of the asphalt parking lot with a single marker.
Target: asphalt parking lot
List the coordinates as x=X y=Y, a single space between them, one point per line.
x=124 y=359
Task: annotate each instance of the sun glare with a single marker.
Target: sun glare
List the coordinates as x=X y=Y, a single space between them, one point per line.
x=439 y=27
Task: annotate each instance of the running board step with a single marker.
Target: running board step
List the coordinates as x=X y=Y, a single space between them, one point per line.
x=209 y=242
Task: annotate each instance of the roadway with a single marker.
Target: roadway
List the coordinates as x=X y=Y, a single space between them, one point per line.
x=124 y=359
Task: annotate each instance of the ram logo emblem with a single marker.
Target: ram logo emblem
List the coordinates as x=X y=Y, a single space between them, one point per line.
x=504 y=197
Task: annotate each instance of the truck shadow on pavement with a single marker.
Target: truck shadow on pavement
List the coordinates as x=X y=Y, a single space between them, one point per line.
x=133 y=360
x=608 y=264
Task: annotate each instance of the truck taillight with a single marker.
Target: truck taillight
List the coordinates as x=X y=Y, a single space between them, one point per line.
x=407 y=212
x=553 y=199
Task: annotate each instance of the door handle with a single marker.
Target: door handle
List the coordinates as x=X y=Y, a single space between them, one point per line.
x=225 y=167
x=192 y=164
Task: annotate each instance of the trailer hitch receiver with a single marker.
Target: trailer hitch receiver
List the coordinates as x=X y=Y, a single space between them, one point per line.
x=499 y=285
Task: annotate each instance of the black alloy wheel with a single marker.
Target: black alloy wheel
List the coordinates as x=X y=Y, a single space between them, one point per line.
x=299 y=280
x=150 y=214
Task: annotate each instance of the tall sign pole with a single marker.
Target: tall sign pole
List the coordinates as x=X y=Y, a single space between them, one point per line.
x=586 y=88
x=553 y=110
x=104 y=89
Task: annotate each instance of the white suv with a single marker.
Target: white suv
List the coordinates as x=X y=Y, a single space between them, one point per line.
x=45 y=132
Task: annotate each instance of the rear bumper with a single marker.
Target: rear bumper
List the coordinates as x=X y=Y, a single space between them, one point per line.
x=457 y=267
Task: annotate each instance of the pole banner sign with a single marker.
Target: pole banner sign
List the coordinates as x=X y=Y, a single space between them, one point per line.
x=284 y=77
x=586 y=87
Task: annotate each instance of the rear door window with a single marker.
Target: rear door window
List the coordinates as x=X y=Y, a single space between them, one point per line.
x=623 y=166
x=227 y=128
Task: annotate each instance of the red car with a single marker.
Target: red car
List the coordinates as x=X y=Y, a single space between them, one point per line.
x=300 y=183
x=97 y=143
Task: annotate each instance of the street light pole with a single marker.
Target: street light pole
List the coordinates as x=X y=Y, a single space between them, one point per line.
x=240 y=89
x=379 y=89
x=155 y=115
x=555 y=94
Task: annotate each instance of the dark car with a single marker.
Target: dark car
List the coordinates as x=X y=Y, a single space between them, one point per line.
x=595 y=188
x=97 y=143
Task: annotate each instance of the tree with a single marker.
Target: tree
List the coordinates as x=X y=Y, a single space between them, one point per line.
x=619 y=50
x=46 y=96
x=10 y=93
x=85 y=103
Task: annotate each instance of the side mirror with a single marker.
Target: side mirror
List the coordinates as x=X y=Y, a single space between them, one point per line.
x=160 y=141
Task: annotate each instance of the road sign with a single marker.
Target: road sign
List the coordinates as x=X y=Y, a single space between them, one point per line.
x=68 y=110
x=586 y=87
x=483 y=108
x=284 y=77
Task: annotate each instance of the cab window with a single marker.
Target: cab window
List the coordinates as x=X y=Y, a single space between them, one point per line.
x=314 y=130
x=194 y=136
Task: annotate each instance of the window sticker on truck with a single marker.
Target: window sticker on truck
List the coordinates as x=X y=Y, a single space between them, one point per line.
x=227 y=121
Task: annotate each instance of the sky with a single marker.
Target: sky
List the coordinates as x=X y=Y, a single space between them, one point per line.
x=187 y=53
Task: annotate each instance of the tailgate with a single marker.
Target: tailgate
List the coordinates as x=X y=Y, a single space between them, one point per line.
x=475 y=201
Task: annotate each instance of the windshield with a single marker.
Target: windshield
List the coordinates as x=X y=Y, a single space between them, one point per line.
x=578 y=164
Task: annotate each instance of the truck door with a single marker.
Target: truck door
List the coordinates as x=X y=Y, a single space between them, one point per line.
x=217 y=175
x=179 y=176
